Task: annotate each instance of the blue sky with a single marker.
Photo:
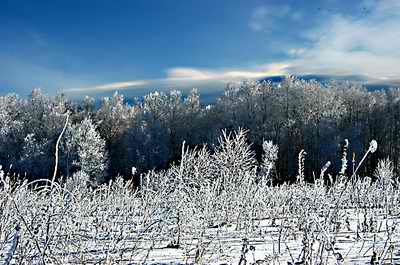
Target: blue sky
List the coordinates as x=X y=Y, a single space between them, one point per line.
x=89 y=47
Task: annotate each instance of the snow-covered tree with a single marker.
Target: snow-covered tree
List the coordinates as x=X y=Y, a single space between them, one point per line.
x=91 y=151
x=113 y=117
x=34 y=161
x=11 y=129
x=9 y=111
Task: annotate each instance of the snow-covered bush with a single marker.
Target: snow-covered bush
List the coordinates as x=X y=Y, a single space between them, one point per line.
x=233 y=158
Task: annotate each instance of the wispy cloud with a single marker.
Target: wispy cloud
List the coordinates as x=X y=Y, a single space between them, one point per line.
x=267 y=18
x=37 y=38
x=24 y=75
x=296 y=52
x=110 y=86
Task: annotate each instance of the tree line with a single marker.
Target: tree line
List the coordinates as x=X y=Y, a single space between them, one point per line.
x=108 y=140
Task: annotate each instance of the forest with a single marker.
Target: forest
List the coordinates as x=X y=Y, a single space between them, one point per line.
x=107 y=140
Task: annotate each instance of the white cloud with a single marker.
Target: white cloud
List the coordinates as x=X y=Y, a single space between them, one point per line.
x=227 y=75
x=367 y=45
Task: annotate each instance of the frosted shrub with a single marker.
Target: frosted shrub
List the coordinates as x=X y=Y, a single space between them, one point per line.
x=233 y=157
x=194 y=169
x=5 y=190
x=384 y=172
x=301 y=160
x=343 y=169
x=2 y=183
x=79 y=181
x=269 y=157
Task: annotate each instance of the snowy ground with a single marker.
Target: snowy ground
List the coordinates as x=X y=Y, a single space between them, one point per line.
x=267 y=242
